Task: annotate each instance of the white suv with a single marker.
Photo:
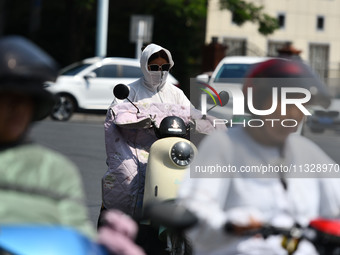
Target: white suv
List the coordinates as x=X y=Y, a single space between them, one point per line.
x=88 y=85
x=228 y=75
x=230 y=71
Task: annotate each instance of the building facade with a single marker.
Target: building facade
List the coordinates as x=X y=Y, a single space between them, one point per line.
x=309 y=25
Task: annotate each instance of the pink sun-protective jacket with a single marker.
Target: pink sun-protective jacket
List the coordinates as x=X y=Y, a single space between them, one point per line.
x=128 y=138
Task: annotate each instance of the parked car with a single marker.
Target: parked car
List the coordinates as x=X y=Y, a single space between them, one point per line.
x=230 y=72
x=322 y=119
x=88 y=85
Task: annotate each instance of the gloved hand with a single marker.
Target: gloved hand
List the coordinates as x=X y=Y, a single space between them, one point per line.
x=242 y=220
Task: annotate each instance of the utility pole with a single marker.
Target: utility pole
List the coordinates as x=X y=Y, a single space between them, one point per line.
x=140 y=35
x=102 y=27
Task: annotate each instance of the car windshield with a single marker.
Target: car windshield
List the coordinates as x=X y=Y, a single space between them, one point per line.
x=74 y=69
x=232 y=73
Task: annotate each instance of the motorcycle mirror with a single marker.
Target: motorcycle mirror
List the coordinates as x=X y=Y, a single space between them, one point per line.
x=121 y=91
x=224 y=95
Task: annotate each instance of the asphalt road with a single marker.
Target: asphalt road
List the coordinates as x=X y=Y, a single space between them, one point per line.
x=329 y=141
x=82 y=140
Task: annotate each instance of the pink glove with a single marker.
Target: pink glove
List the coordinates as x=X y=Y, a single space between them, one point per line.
x=118 y=234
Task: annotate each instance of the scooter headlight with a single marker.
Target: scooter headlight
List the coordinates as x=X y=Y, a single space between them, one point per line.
x=182 y=153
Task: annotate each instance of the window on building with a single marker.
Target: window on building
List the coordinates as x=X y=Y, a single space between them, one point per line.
x=236 y=47
x=281 y=18
x=319 y=58
x=273 y=46
x=320 y=23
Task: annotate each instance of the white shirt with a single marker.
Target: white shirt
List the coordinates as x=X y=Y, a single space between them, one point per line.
x=218 y=200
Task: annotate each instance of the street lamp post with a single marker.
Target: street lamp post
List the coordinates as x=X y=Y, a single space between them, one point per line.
x=140 y=31
x=102 y=24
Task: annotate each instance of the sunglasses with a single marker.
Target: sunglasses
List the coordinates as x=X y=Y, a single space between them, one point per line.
x=164 y=67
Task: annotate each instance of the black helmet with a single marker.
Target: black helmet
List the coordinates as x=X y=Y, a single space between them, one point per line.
x=280 y=73
x=24 y=68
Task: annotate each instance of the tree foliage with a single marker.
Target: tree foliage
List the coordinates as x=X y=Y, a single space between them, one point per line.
x=67 y=28
x=179 y=25
x=243 y=11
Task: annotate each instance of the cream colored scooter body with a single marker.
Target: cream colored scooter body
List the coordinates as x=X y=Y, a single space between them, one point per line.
x=163 y=176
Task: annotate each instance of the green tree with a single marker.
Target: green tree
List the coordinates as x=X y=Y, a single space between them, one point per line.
x=66 y=29
x=243 y=11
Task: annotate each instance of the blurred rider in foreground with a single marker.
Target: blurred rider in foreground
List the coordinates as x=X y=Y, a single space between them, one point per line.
x=245 y=200
x=37 y=185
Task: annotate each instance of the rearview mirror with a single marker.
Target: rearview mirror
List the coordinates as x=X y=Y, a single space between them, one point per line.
x=224 y=95
x=90 y=75
x=121 y=91
x=203 y=78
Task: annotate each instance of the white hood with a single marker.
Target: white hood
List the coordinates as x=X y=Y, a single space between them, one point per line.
x=154 y=81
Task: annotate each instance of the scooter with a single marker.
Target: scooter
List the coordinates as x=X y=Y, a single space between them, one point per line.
x=168 y=161
x=323 y=233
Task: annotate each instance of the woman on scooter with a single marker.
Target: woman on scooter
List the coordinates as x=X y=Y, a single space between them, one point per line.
x=123 y=183
x=244 y=200
x=128 y=148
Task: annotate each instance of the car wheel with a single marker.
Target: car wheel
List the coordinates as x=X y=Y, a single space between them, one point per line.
x=63 y=109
